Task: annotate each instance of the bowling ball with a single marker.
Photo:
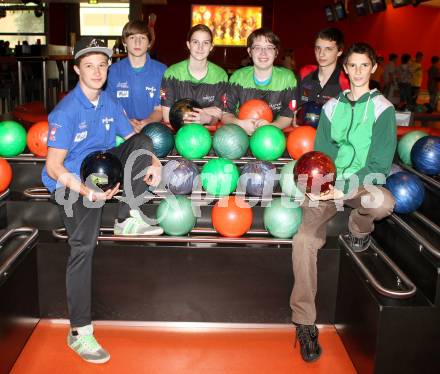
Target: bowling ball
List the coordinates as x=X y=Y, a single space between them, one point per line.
x=255 y=109
x=287 y=181
x=232 y=216
x=180 y=176
x=268 y=143
x=230 y=141
x=425 y=155
x=314 y=172
x=193 y=141
x=175 y=215
x=309 y=114
x=5 y=175
x=395 y=169
x=300 y=141
x=219 y=177
x=282 y=218
x=12 y=138
x=178 y=111
x=408 y=191
x=406 y=143
x=161 y=137
x=101 y=170
x=37 y=138
x=119 y=140
x=258 y=178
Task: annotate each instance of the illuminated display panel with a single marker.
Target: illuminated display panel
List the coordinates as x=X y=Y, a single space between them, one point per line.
x=230 y=24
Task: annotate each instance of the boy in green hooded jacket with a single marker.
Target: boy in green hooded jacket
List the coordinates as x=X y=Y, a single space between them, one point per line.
x=358 y=131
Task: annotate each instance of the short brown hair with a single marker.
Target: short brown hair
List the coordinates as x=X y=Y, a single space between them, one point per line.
x=136 y=27
x=199 y=27
x=363 y=49
x=265 y=33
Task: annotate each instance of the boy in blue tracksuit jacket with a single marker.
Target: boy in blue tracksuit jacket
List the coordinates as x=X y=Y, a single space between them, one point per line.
x=135 y=81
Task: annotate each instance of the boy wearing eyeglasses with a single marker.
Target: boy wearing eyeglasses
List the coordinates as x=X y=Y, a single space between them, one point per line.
x=273 y=84
x=135 y=81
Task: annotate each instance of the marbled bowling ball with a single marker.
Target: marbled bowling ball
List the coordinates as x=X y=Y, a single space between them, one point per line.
x=314 y=172
x=178 y=111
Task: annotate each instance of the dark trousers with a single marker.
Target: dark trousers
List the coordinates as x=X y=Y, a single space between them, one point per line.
x=83 y=229
x=414 y=95
x=405 y=93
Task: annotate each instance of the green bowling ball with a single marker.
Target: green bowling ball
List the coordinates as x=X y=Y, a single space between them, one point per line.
x=119 y=140
x=219 y=177
x=268 y=143
x=193 y=141
x=282 y=218
x=230 y=141
x=175 y=215
x=12 y=138
x=287 y=181
x=406 y=143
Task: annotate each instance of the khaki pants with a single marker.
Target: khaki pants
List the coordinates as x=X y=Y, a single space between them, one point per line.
x=311 y=236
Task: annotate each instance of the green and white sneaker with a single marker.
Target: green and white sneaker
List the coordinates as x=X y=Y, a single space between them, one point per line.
x=135 y=225
x=82 y=341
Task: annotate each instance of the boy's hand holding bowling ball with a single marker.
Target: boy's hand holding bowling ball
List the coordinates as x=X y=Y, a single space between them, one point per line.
x=331 y=194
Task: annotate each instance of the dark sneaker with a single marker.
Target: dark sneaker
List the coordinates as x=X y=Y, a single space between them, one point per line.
x=307 y=335
x=358 y=244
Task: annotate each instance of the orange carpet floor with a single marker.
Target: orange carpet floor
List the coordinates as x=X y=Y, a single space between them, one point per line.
x=182 y=350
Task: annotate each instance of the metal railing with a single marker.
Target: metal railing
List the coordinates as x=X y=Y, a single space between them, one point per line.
x=9 y=261
x=423 y=243
x=4 y=194
x=197 y=235
x=372 y=280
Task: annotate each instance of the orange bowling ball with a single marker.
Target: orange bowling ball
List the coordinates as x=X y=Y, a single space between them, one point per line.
x=5 y=175
x=232 y=216
x=255 y=109
x=300 y=141
x=37 y=138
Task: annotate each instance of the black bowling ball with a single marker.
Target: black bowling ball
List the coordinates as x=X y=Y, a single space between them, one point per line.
x=101 y=170
x=178 y=111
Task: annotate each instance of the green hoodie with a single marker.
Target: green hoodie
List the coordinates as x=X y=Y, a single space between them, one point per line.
x=359 y=136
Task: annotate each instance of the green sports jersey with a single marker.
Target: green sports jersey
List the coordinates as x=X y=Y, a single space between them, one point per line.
x=178 y=83
x=280 y=92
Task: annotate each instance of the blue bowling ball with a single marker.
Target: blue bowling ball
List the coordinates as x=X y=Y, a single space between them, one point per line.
x=258 y=178
x=425 y=155
x=408 y=191
x=310 y=113
x=180 y=176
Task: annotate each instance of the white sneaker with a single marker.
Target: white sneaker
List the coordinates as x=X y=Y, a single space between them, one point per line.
x=135 y=225
x=86 y=346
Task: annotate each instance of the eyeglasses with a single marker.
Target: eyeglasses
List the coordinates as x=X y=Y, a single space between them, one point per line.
x=267 y=49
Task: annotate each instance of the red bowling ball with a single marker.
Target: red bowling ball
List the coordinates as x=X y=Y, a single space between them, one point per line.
x=314 y=172
x=232 y=216
x=5 y=175
x=256 y=109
